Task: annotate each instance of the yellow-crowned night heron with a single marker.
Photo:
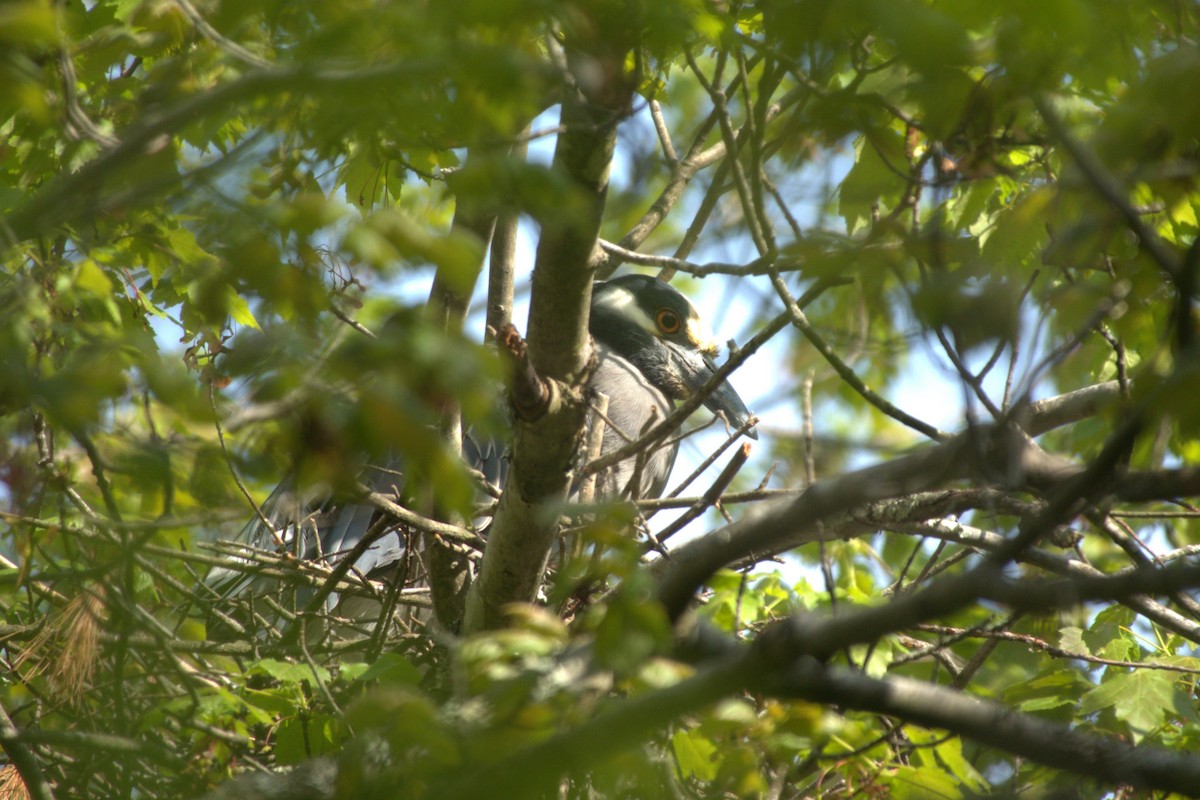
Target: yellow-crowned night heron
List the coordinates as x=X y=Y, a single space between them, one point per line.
x=652 y=348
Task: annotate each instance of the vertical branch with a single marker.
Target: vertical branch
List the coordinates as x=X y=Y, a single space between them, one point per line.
x=448 y=302
x=725 y=152
x=755 y=127
x=740 y=182
x=806 y=405
x=545 y=448
x=683 y=170
x=502 y=265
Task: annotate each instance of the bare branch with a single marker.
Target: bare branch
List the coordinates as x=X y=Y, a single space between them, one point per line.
x=1055 y=412
x=1043 y=742
x=985 y=451
x=1042 y=645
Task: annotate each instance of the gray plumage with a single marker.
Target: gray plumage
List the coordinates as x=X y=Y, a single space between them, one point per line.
x=651 y=349
x=639 y=405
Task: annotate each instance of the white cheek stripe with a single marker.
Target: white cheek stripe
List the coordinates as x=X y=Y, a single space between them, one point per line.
x=623 y=302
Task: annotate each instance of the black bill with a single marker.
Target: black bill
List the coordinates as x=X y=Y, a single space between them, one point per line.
x=697 y=369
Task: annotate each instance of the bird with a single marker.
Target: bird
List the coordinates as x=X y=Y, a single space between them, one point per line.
x=652 y=349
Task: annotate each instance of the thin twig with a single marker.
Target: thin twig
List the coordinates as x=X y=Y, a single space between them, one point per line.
x=733 y=436
x=1042 y=645
x=237 y=479
x=712 y=496
x=800 y=322
x=212 y=34
x=664 y=135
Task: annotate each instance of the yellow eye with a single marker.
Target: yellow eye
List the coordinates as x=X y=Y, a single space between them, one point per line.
x=668 y=321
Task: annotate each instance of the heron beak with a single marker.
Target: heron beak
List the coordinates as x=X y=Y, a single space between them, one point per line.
x=696 y=369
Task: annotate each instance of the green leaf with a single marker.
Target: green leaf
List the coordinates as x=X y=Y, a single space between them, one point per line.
x=388 y=668
x=695 y=755
x=286 y=672
x=457 y=254
x=1070 y=639
x=407 y=719
x=292 y=742
x=1141 y=698
x=950 y=753
x=366 y=175
x=91 y=279
x=1019 y=233
x=874 y=180
x=265 y=704
x=1057 y=688
x=879 y=655
x=921 y=783
x=28 y=23
x=633 y=627
x=239 y=310
x=124 y=10
x=731 y=715
x=927 y=37
x=1183 y=212
x=970 y=205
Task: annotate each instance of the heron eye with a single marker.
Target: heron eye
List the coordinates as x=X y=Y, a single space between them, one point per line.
x=668 y=321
